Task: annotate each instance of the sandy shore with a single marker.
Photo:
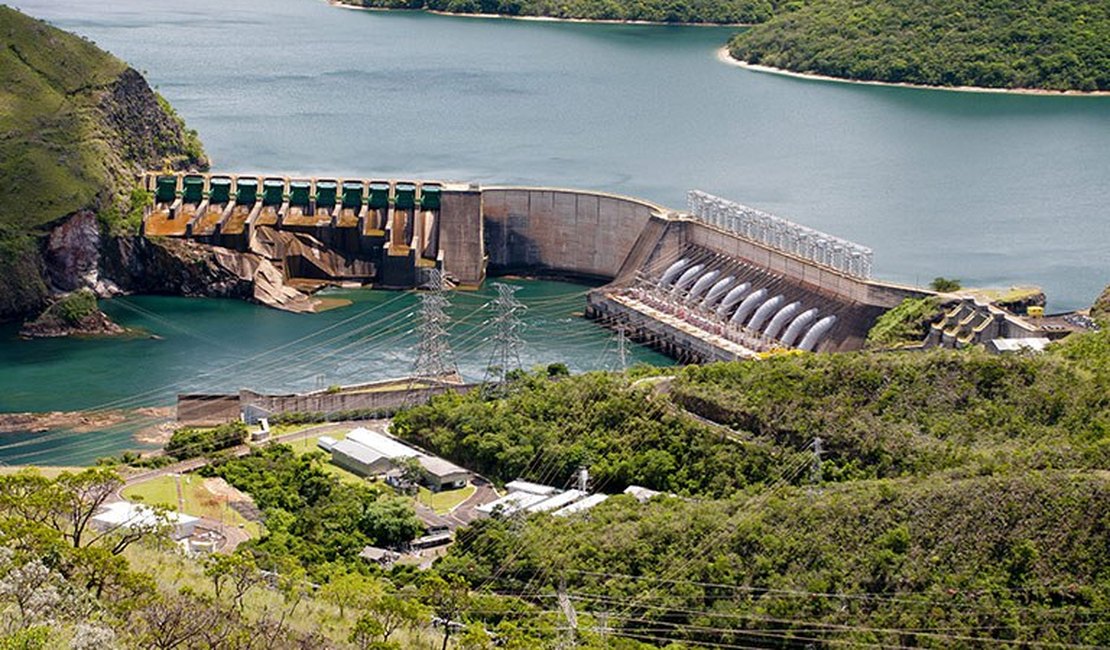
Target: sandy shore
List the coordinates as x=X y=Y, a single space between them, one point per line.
x=543 y=19
x=724 y=57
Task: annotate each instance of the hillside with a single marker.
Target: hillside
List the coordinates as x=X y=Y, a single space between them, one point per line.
x=657 y=11
x=1052 y=45
x=960 y=498
x=78 y=124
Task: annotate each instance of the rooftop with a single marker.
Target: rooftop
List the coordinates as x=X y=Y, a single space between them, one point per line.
x=531 y=488
x=382 y=444
x=439 y=467
x=581 y=505
x=359 y=452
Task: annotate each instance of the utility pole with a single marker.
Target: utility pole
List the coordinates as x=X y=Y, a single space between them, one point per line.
x=434 y=360
x=507 y=341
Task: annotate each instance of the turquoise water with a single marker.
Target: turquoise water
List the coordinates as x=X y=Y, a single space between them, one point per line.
x=993 y=189
x=209 y=345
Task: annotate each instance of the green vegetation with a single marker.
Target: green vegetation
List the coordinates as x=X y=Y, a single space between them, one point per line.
x=195 y=499
x=443 y=502
x=660 y=11
x=72 y=308
x=190 y=442
x=944 y=285
x=906 y=324
x=311 y=514
x=78 y=125
x=544 y=429
x=1051 y=45
x=1101 y=308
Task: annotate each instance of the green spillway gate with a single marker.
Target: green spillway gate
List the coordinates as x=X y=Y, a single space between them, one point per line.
x=246 y=191
x=406 y=196
x=298 y=193
x=219 y=189
x=273 y=191
x=166 y=190
x=325 y=194
x=194 y=189
x=352 y=194
x=429 y=197
x=379 y=195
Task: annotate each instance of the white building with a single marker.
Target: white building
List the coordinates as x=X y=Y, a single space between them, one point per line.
x=125 y=516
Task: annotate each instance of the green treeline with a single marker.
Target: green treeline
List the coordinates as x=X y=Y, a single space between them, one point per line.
x=880 y=414
x=310 y=514
x=1052 y=45
x=962 y=497
x=660 y=11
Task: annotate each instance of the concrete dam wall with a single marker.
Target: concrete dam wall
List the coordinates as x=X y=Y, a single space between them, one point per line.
x=558 y=231
x=717 y=281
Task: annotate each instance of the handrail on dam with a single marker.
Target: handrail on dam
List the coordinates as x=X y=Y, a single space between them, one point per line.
x=781 y=234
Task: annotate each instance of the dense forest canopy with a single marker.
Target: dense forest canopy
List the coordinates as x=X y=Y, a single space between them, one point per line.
x=1051 y=45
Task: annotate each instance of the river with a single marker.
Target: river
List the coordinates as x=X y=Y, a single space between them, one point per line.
x=993 y=189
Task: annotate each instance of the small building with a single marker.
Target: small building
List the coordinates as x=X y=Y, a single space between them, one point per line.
x=511 y=503
x=530 y=488
x=581 y=505
x=382 y=556
x=359 y=459
x=641 y=494
x=381 y=443
x=126 y=516
x=555 y=502
x=1013 y=346
x=442 y=474
x=325 y=443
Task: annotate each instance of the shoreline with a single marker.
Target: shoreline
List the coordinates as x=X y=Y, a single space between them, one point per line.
x=725 y=57
x=541 y=19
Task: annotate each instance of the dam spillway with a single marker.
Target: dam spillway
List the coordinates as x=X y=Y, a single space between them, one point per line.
x=717 y=281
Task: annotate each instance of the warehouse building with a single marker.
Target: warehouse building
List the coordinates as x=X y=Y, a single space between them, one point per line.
x=367 y=453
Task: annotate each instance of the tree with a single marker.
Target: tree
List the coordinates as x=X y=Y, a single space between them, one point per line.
x=354 y=590
x=447 y=597
x=85 y=493
x=238 y=571
x=944 y=285
x=393 y=612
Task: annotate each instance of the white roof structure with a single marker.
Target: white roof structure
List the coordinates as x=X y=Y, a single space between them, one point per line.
x=358 y=452
x=382 y=444
x=125 y=515
x=560 y=500
x=581 y=505
x=531 y=488
x=1035 y=344
x=326 y=443
x=641 y=494
x=513 y=502
x=440 y=467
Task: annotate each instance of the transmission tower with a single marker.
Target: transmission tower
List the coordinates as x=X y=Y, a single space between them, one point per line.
x=622 y=347
x=815 y=469
x=434 y=359
x=507 y=341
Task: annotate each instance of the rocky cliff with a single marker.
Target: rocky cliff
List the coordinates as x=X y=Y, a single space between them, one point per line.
x=78 y=125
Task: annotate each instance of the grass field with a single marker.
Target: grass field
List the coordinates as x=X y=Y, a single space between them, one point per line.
x=198 y=501
x=442 y=502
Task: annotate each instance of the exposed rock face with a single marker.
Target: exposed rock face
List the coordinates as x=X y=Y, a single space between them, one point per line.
x=186 y=268
x=95 y=324
x=73 y=253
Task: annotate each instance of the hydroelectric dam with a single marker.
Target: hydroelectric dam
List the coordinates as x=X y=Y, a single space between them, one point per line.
x=716 y=281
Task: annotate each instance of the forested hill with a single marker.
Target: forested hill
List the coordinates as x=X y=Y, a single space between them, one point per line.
x=78 y=124
x=1050 y=45
x=658 y=11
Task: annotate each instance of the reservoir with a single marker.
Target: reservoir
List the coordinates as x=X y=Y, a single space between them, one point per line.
x=993 y=189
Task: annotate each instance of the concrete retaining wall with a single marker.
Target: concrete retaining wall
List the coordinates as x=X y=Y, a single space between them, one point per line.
x=577 y=233
x=256 y=405
x=207 y=410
